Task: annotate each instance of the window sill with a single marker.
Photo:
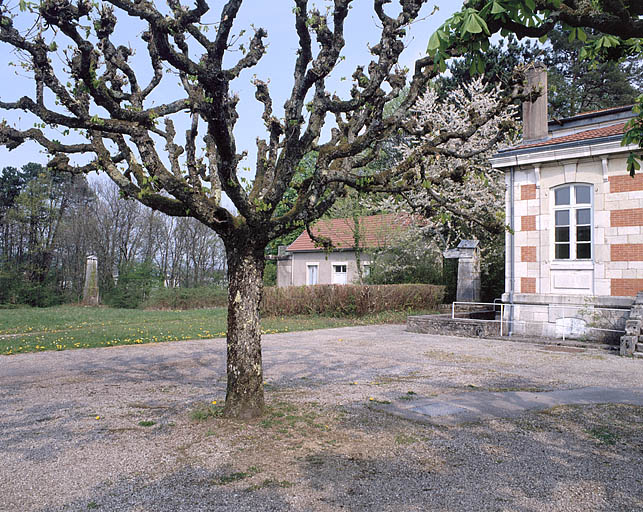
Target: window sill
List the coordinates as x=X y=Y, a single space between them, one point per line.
x=572 y=265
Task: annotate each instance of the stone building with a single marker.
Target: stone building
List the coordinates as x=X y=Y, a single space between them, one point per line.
x=574 y=250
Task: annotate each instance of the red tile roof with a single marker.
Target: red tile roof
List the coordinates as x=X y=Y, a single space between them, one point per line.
x=375 y=231
x=596 y=133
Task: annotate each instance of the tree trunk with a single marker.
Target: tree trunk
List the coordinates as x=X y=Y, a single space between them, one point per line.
x=244 y=396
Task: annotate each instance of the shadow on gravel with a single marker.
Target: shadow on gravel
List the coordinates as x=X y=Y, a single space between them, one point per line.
x=568 y=458
x=188 y=489
x=572 y=458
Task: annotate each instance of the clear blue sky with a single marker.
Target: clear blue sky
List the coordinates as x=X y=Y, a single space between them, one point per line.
x=277 y=18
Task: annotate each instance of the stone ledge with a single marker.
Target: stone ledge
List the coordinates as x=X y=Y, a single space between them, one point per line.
x=445 y=325
x=605 y=301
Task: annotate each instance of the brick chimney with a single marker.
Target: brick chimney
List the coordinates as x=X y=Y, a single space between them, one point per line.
x=534 y=113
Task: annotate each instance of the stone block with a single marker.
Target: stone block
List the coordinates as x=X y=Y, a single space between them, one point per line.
x=633 y=327
x=628 y=345
x=636 y=312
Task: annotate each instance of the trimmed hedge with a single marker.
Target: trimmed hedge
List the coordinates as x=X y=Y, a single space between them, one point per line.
x=187 y=298
x=332 y=300
x=345 y=300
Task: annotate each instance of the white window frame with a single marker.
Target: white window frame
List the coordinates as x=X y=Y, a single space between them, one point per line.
x=308 y=265
x=334 y=273
x=573 y=207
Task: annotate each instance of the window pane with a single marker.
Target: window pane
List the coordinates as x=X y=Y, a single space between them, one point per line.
x=562 y=234
x=583 y=251
x=583 y=234
x=562 y=251
x=584 y=216
x=562 y=218
x=562 y=195
x=583 y=194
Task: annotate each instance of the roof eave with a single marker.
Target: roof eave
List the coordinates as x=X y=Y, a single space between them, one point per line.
x=563 y=151
x=340 y=249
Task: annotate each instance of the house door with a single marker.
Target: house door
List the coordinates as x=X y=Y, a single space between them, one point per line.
x=340 y=276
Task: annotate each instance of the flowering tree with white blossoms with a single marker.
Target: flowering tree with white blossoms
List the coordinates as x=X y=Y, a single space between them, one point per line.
x=461 y=191
x=462 y=195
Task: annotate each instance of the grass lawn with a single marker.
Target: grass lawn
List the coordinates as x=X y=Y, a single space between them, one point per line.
x=66 y=327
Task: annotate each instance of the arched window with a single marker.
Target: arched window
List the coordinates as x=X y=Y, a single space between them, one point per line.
x=573 y=222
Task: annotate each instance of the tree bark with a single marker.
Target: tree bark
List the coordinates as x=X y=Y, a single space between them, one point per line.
x=244 y=396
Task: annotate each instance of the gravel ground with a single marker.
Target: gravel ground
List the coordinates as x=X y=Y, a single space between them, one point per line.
x=77 y=433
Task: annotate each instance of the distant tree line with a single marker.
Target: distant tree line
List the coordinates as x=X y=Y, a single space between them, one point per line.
x=50 y=222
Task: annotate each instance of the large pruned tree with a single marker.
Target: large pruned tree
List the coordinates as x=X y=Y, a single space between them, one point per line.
x=101 y=92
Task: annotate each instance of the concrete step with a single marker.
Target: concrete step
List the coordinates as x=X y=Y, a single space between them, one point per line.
x=638 y=354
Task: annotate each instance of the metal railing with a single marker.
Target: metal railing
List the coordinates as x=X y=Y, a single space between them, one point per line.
x=503 y=306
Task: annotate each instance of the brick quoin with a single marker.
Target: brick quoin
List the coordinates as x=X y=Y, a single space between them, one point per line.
x=626 y=287
x=528 y=192
x=626 y=183
x=528 y=285
x=626 y=252
x=528 y=253
x=622 y=218
x=528 y=223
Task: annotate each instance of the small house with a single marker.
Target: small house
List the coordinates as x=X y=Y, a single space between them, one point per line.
x=305 y=263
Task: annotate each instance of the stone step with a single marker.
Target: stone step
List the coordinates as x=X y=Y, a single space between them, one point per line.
x=638 y=354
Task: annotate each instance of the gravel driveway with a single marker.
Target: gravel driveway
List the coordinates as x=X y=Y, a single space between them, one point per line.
x=132 y=429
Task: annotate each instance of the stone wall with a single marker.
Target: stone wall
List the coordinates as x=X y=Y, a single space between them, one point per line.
x=574 y=317
x=445 y=325
x=616 y=266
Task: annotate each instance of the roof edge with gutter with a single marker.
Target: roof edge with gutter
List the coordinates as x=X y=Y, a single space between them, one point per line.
x=563 y=151
x=334 y=249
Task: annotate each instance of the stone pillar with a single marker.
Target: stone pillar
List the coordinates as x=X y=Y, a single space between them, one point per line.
x=90 y=291
x=284 y=267
x=468 y=255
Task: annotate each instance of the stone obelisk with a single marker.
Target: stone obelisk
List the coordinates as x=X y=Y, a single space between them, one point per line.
x=90 y=291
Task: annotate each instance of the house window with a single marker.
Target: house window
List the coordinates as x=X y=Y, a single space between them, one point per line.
x=312 y=273
x=573 y=222
x=340 y=275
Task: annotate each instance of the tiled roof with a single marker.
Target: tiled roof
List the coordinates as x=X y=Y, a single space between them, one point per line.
x=375 y=231
x=596 y=133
